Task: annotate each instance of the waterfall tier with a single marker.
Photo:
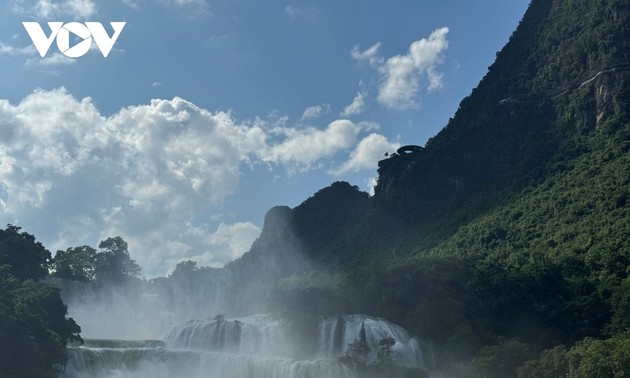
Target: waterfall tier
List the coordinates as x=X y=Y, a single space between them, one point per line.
x=330 y=337
x=257 y=346
x=86 y=362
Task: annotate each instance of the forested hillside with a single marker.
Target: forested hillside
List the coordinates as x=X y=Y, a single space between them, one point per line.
x=505 y=241
x=507 y=235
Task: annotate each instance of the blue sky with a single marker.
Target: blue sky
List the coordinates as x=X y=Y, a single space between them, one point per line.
x=207 y=113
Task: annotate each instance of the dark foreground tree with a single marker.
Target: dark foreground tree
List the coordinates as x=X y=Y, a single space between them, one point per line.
x=34 y=329
x=27 y=258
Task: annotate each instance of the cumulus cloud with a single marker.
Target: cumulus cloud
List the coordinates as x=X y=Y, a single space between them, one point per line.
x=356 y=107
x=315 y=111
x=401 y=75
x=368 y=152
x=46 y=9
x=142 y=173
x=302 y=147
x=74 y=176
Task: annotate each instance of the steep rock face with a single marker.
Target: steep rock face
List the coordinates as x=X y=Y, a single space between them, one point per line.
x=278 y=251
x=560 y=81
x=327 y=216
x=559 y=90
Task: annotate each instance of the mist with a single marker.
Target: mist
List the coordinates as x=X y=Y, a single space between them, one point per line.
x=270 y=313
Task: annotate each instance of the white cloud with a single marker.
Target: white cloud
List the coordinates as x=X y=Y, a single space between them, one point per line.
x=73 y=176
x=143 y=173
x=302 y=147
x=371 y=185
x=402 y=73
x=369 y=55
x=368 y=152
x=227 y=243
x=315 y=111
x=47 y=9
x=55 y=59
x=16 y=51
x=356 y=107
x=131 y=4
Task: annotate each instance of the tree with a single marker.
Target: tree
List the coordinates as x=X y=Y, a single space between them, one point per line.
x=359 y=349
x=501 y=360
x=385 y=364
x=384 y=356
x=28 y=259
x=184 y=269
x=552 y=363
x=76 y=264
x=113 y=262
x=34 y=329
x=591 y=358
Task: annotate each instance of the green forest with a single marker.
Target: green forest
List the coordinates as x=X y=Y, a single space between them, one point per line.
x=505 y=241
x=34 y=327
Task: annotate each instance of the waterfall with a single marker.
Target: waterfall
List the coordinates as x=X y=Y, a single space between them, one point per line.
x=158 y=362
x=258 y=346
x=257 y=334
x=336 y=333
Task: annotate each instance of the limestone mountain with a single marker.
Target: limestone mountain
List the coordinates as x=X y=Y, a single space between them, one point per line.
x=508 y=232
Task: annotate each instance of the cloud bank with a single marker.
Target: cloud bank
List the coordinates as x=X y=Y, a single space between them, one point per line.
x=147 y=172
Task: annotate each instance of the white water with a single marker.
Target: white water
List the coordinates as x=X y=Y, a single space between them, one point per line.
x=257 y=346
x=339 y=332
x=161 y=363
x=257 y=335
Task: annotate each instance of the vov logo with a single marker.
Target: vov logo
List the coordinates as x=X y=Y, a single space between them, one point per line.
x=60 y=32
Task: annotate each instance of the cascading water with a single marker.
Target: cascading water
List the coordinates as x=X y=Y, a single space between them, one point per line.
x=258 y=346
x=337 y=333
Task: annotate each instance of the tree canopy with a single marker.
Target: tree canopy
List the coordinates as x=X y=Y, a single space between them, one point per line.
x=34 y=328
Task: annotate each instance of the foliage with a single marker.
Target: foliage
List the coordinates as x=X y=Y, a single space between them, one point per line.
x=112 y=264
x=589 y=358
x=27 y=258
x=358 y=350
x=600 y=358
x=501 y=360
x=184 y=269
x=75 y=264
x=34 y=329
x=552 y=363
x=384 y=365
x=508 y=233
x=620 y=300
x=384 y=355
x=505 y=236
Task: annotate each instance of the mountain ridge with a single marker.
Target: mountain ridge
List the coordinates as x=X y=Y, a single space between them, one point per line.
x=504 y=235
